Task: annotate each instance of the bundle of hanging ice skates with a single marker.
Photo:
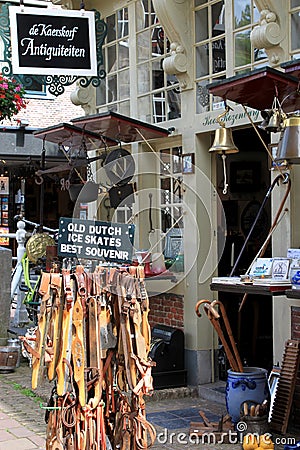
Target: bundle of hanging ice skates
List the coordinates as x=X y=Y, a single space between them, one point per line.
x=92 y=340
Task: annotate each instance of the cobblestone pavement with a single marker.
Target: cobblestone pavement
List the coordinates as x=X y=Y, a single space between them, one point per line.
x=22 y=424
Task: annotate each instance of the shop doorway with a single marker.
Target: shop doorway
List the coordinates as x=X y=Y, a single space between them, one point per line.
x=248 y=174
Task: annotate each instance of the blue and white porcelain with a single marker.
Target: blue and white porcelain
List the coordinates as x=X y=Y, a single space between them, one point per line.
x=296 y=279
x=248 y=386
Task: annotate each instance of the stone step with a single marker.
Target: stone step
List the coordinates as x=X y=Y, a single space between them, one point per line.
x=213 y=391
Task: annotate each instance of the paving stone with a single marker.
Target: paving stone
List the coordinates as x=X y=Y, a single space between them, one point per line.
x=178 y=406
x=18 y=444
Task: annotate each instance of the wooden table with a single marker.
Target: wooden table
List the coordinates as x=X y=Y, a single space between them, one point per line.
x=245 y=288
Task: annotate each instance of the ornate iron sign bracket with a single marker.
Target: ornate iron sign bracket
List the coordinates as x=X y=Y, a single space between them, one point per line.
x=56 y=84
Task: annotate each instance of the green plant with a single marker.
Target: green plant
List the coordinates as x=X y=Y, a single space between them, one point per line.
x=11 y=97
x=27 y=392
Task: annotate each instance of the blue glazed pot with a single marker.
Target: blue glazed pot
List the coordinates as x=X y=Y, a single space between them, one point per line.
x=296 y=278
x=292 y=447
x=250 y=385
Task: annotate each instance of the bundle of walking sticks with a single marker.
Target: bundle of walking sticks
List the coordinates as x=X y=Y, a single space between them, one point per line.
x=92 y=340
x=226 y=337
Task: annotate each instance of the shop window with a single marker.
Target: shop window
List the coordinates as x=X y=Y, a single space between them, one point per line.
x=162 y=99
x=295 y=3
x=214 y=27
x=171 y=188
x=242 y=13
x=145 y=75
x=210 y=47
x=295 y=31
x=242 y=47
x=116 y=87
x=294 y=28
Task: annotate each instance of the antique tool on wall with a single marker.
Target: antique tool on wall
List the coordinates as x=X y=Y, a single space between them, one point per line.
x=229 y=346
x=286 y=387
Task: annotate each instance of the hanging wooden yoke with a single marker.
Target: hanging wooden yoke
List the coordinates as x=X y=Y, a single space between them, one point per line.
x=93 y=339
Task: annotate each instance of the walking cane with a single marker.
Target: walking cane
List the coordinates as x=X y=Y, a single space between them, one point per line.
x=214 y=316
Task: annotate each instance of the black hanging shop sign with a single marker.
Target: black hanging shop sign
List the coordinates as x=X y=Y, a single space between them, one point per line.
x=90 y=239
x=53 y=41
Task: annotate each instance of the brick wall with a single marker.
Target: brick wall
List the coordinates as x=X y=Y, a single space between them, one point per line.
x=295 y=334
x=166 y=309
x=42 y=113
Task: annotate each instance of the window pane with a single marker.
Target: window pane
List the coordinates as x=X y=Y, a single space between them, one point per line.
x=124 y=108
x=111 y=59
x=174 y=103
x=202 y=97
x=111 y=28
x=219 y=58
x=142 y=15
x=143 y=44
x=202 y=64
x=143 y=74
x=101 y=93
x=201 y=25
x=177 y=193
x=256 y=14
x=159 y=107
x=122 y=23
x=200 y=2
x=295 y=30
x=166 y=219
x=144 y=108
x=295 y=3
x=123 y=55
x=121 y=215
x=157 y=74
x=177 y=216
x=259 y=53
x=176 y=154
x=153 y=17
x=124 y=84
x=112 y=88
x=157 y=40
x=242 y=48
x=165 y=165
x=242 y=13
x=218 y=19
x=165 y=186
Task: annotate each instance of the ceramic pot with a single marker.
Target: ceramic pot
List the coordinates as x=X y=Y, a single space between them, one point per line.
x=250 y=385
x=296 y=279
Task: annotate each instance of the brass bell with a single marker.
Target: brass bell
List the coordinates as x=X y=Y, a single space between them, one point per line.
x=274 y=124
x=223 y=142
x=289 y=144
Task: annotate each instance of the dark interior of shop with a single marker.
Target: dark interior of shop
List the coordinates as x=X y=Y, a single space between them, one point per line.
x=249 y=180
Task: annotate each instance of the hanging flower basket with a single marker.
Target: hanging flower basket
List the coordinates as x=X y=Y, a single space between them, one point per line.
x=11 y=97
